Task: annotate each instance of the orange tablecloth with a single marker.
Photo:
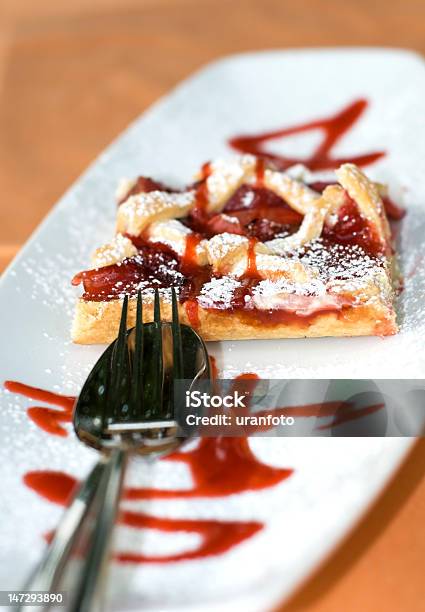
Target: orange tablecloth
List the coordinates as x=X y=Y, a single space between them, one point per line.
x=72 y=76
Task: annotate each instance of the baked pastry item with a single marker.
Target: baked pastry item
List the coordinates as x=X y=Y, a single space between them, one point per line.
x=253 y=253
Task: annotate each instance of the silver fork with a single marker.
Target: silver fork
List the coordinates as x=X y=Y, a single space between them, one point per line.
x=126 y=405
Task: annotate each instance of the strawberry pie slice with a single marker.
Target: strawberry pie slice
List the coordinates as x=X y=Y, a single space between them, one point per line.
x=252 y=253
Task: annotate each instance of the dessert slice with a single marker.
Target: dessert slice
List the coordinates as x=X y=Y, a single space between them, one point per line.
x=252 y=252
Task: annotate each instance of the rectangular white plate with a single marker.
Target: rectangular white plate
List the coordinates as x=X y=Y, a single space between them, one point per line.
x=334 y=479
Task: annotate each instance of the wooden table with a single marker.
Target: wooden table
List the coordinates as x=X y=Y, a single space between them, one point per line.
x=72 y=76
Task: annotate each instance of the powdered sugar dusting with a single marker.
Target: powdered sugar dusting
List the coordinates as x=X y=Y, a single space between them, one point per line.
x=218 y=292
x=336 y=260
x=115 y=251
x=268 y=288
x=138 y=211
x=222 y=245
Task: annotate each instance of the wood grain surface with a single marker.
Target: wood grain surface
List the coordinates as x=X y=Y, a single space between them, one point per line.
x=73 y=75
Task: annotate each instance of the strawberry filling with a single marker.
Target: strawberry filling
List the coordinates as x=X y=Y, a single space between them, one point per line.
x=252 y=211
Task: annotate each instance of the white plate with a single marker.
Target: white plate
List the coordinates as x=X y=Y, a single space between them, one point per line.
x=334 y=479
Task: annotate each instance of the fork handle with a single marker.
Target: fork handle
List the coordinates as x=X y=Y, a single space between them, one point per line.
x=96 y=500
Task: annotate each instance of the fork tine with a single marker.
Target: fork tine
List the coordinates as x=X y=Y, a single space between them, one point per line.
x=137 y=372
x=157 y=350
x=177 y=338
x=157 y=308
x=118 y=362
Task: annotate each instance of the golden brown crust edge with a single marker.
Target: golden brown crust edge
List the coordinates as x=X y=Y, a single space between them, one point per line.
x=97 y=322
